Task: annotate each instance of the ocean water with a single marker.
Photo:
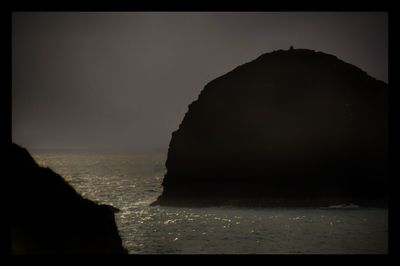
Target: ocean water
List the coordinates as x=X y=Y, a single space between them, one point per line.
x=131 y=182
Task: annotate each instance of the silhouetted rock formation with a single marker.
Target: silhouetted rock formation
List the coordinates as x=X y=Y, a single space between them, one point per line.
x=50 y=217
x=291 y=128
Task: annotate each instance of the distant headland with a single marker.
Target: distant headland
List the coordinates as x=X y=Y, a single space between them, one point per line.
x=293 y=127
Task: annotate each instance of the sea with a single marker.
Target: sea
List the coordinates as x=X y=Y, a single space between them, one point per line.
x=131 y=181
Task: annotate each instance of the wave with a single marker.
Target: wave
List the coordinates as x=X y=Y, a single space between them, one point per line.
x=344 y=206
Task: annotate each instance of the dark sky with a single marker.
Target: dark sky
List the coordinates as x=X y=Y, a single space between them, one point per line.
x=123 y=81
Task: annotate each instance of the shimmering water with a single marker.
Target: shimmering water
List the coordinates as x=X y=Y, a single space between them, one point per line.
x=132 y=182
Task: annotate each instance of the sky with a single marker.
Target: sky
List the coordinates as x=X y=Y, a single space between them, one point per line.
x=122 y=81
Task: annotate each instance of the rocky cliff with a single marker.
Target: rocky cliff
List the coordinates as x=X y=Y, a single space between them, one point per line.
x=291 y=128
x=49 y=217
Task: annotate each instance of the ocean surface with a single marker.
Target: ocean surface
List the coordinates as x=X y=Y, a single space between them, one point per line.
x=130 y=182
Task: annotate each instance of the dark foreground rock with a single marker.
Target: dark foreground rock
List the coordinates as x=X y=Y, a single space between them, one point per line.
x=50 y=217
x=291 y=128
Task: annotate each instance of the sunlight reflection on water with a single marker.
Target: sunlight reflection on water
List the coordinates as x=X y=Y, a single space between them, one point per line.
x=132 y=182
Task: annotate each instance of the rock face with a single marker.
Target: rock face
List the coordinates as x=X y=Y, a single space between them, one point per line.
x=291 y=128
x=50 y=217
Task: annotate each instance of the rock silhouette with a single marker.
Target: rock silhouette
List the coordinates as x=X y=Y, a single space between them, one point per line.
x=50 y=217
x=291 y=128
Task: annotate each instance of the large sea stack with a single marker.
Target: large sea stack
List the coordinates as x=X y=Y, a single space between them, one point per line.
x=49 y=217
x=291 y=128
